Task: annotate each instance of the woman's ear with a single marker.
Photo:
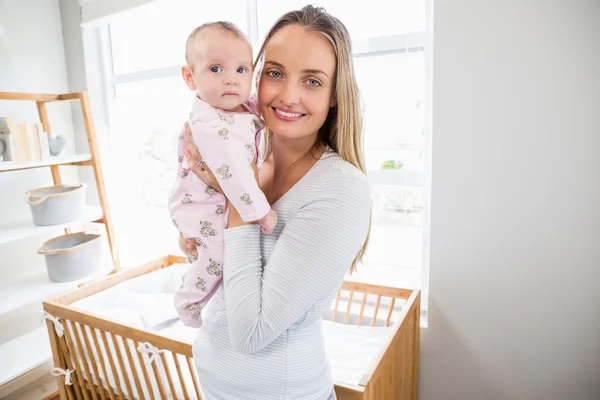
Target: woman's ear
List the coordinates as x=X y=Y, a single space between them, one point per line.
x=188 y=77
x=333 y=102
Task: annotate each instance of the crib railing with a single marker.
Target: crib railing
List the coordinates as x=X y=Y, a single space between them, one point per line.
x=393 y=373
x=97 y=358
x=103 y=359
x=125 y=362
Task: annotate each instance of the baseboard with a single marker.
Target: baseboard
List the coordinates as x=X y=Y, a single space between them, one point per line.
x=42 y=371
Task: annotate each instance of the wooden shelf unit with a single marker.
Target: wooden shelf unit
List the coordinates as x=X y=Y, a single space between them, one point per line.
x=30 y=353
x=92 y=159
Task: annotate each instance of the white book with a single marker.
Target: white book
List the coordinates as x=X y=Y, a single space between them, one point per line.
x=43 y=139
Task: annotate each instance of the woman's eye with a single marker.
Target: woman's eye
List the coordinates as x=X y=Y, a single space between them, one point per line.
x=274 y=74
x=314 y=82
x=216 y=69
x=241 y=70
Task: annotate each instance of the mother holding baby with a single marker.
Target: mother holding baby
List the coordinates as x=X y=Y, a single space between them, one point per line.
x=262 y=337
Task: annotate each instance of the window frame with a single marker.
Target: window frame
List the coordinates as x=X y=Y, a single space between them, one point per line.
x=399 y=43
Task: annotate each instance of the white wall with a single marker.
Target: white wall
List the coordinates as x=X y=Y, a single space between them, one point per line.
x=85 y=73
x=32 y=59
x=515 y=247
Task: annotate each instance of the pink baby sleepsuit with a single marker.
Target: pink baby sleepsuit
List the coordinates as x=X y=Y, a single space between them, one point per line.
x=228 y=143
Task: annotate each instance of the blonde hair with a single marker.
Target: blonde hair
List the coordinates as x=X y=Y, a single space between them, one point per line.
x=343 y=127
x=222 y=26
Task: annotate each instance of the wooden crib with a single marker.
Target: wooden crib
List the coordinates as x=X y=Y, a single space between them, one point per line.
x=78 y=338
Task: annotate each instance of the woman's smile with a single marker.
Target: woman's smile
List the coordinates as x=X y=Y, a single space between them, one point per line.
x=288 y=116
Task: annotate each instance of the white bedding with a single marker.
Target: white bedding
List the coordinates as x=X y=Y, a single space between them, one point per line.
x=146 y=302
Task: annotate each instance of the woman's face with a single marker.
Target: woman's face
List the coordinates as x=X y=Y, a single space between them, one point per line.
x=297 y=82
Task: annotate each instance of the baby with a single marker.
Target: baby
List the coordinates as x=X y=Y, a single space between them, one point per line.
x=225 y=129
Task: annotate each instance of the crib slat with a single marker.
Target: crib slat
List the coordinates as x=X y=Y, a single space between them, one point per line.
x=144 y=372
x=58 y=358
x=159 y=381
x=86 y=332
x=102 y=365
x=362 y=308
x=193 y=375
x=347 y=316
x=111 y=361
x=391 y=310
x=62 y=355
x=416 y=348
x=168 y=373
x=122 y=365
x=134 y=369
x=376 y=310
x=178 y=368
x=335 y=307
x=78 y=339
x=79 y=389
x=71 y=394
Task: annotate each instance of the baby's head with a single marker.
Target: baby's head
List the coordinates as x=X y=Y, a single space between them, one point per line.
x=219 y=64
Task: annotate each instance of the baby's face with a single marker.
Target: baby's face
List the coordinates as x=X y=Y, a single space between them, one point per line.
x=222 y=69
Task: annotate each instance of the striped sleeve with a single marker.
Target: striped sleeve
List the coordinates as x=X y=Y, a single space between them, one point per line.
x=311 y=257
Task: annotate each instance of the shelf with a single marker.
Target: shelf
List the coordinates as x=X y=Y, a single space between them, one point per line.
x=75 y=159
x=40 y=96
x=24 y=229
x=38 y=288
x=16 y=361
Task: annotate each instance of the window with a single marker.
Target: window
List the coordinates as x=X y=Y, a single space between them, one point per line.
x=147 y=117
x=150 y=103
x=154 y=37
x=393 y=88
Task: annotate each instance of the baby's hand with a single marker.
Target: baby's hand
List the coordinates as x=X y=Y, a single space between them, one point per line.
x=188 y=246
x=268 y=222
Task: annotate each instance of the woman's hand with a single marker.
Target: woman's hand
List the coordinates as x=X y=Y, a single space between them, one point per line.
x=188 y=247
x=196 y=163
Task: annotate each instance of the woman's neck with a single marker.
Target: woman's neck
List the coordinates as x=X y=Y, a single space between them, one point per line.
x=287 y=153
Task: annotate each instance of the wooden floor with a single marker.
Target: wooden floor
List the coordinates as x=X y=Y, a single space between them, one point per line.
x=42 y=389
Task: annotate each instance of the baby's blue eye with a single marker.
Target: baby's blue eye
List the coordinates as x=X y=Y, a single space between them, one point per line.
x=274 y=74
x=215 y=69
x=241 y=70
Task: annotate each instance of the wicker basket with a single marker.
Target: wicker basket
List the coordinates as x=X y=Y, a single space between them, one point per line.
x=72 y=256
x=55 y=205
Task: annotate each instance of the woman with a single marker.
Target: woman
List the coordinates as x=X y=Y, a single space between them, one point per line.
x=261 y=337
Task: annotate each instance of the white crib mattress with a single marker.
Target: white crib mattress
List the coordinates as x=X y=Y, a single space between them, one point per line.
x=146 y=302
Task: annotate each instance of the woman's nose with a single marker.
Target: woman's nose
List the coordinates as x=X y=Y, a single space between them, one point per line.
x=289 y=94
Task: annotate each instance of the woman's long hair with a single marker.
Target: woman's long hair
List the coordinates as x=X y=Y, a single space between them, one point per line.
x=343 y=127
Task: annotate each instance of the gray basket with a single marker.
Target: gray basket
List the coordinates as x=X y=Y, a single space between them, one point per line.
x=72 y=256
x=57 y=204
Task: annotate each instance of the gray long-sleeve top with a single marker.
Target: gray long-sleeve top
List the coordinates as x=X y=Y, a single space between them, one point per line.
x=261 y=337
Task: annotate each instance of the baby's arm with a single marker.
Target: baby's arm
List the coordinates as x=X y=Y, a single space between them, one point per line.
x=227 y=158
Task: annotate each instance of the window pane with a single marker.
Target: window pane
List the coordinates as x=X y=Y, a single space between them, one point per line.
x=146 y=121
x=393 y=89
x=386 y=17
x=154 y=36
